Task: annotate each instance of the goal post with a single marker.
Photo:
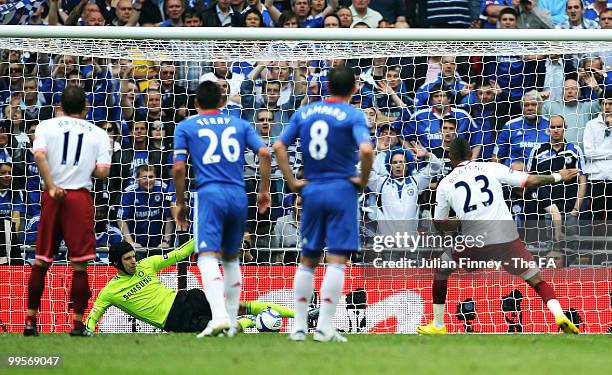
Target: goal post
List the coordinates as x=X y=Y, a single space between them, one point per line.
x=140 y=83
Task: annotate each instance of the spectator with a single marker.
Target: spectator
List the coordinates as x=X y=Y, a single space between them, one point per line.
x=447 y=13
x=530 y=16
x=287 y=231
x=575 y=11
x=605 y=19
x=25 y=168
x=331 y=21
x=31 y=104
x=114 y=136
x=591 y=78
x=390 y=93
x=123 y=14
x=514 y=74
x=425 y=124
x=221 y=13
x=106 y=233
x=174 y=13
x=144 y=211
x=556 y=9
x=576 y=112
x=550 y=157
x=346 y=17
x=392 y=10
x=221 y=69
x=448 y=78
x=190 y=71
x=449 y=132
x=488 y=106
x=131 y=156
x=289 y=20
x=492 y=9
x=386 y=139
x=519 y=136
x=363 y=13
x=253 y=18
x=258 y=5
x=273 y=90
x=228 y=108
x=174 y=95
x=594 y=10
x=397 y=193
x=301 y=8
x=385 y=24
x=598 y=155
x=557 y=67
x=12 y=211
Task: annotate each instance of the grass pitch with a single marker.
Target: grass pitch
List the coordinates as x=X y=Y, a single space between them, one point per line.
x=273 y=354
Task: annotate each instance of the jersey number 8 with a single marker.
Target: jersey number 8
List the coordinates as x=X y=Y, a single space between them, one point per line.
x=229 y=146
x=318 y=140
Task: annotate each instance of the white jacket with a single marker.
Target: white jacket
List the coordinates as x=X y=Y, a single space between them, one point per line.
x=598 y=149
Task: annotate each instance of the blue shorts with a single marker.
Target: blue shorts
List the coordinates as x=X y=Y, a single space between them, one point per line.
x=329 y=218
x=220 y=217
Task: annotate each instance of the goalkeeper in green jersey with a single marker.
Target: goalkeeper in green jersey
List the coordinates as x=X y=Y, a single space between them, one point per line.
x=137 y=291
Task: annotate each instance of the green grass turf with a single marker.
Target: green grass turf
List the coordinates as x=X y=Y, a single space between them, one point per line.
x=272 y=354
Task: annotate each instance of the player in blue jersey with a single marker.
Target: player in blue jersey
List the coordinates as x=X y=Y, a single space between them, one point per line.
x=334 y=135
x=216 y=143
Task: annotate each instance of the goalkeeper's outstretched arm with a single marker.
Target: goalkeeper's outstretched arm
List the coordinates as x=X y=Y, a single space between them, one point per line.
x=159 y=262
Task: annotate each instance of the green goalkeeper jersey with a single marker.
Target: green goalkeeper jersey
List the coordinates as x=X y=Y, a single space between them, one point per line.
x=142 y=295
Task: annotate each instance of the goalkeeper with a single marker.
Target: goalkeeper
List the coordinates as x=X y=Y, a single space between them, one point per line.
x=138 y=292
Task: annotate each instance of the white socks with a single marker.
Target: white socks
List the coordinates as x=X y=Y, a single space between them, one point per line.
x=233 y=286
x=213 y=285
x=331 y=290
x=438 y=310
x=302 y=290
x=555 y=307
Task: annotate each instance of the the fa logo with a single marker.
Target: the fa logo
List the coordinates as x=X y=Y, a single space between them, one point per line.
x=158 y=198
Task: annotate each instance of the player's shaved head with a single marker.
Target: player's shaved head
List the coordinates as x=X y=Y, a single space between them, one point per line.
x=459 y=151
x=73 y=100
x=341 y=81
x=208 y=95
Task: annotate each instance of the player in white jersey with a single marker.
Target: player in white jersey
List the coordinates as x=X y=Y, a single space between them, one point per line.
x=68 y=151
x=474 y=191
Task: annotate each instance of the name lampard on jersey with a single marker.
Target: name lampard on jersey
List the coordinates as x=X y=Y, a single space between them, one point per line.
x=338 y=113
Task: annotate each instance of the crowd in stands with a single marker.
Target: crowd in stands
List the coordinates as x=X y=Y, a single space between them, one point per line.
x=537 y=113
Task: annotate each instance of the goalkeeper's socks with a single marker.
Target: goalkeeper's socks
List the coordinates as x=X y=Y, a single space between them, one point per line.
x=438 y=310
x=208 y=265
x=302 y=290
x=232 y=283
x=331 y=290
x=255 y=307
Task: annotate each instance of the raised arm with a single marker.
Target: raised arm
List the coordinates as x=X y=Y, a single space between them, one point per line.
x=274 y=12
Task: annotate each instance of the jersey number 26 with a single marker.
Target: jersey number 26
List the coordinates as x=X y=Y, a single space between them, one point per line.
x=229 y=146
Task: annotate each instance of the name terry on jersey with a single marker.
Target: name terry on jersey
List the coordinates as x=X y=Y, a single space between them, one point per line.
x=221 y=120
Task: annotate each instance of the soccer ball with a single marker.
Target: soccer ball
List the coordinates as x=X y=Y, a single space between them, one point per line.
x=269 y=320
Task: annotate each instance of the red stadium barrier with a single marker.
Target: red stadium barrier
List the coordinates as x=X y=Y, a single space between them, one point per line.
x=394 y=304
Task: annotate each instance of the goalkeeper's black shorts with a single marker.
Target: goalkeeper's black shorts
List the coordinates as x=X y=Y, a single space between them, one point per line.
x=190 y=312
